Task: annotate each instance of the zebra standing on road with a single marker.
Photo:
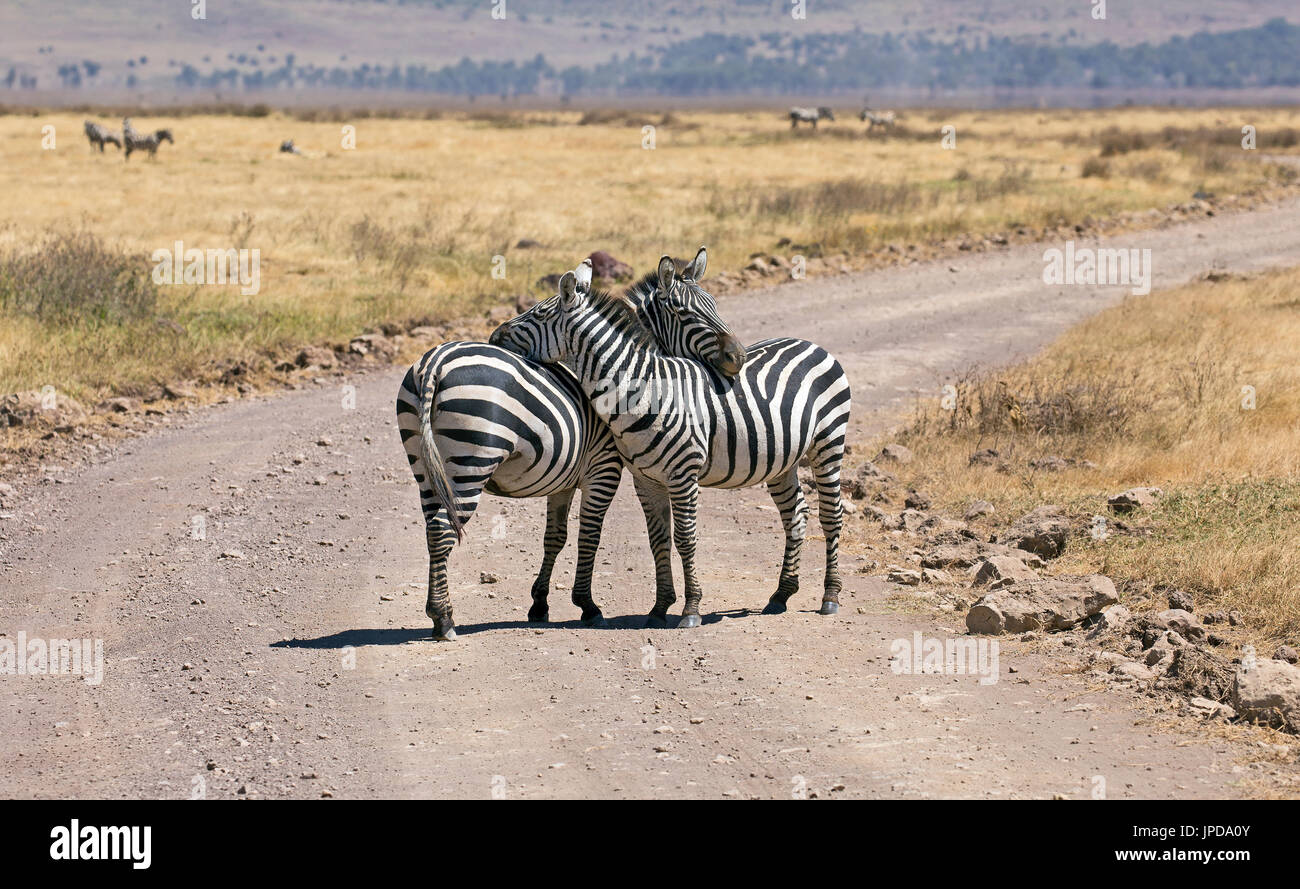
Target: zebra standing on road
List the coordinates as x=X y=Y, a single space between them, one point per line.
x=134 y=140
x=810 y=116
x=885 y=119
x=98 y=134
x=773 y=405
x=475 y=417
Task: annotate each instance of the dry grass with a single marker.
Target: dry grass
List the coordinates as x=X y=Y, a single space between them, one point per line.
x=405 y=226
x=1152 y=393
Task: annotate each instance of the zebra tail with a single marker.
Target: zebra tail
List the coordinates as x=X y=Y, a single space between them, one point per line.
x=434 y=470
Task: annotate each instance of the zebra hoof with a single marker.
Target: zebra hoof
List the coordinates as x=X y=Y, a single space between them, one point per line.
x=655 y=621
x=688 y=621
x=774 y=607
x=596 y=620
x=448 y=636
x=830 y=608
x=538 y=617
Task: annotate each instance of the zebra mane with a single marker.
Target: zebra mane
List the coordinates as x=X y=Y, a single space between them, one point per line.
x=621 y=313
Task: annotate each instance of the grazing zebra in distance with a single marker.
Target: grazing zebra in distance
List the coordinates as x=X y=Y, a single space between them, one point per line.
x=134 y=140
x=810 y=115
x=98 y=134
x=787 y=399
x=474 y=417
x=885 y=119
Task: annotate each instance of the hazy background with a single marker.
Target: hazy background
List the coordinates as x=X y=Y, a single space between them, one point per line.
x=584 y=52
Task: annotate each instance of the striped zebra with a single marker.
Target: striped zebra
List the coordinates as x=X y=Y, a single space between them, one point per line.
x=885 y=119
x=134 y=140
x=98 y=134
x=773 y=405
x=809 y=116
x=475 y=417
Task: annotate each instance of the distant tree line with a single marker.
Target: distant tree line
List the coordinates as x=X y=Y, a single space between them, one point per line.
x=713 y=63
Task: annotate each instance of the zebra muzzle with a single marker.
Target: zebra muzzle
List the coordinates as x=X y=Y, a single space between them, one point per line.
x=731 y=355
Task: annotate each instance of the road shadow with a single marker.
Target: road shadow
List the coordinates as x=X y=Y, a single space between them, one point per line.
x=358 y=638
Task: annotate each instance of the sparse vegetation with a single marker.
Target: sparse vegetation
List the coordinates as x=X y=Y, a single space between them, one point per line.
x=405 y=227
x=1151 y=392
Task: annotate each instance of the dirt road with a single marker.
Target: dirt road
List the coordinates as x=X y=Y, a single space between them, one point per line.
x=256 y=575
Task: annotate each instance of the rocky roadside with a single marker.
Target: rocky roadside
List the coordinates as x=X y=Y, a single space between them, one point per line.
x=1000 y=575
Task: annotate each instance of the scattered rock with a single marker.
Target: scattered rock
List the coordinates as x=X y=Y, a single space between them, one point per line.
x=1110 y=620
x=904 y=576
x=316 y=356
x=910 y=520
x=1057 y=603
x=527 y=244
x=985 y=457
x=488 y=577
x=1049 y=464
x=1286 y=653
x=1183 y=601
x=1182 y=622
x=1002 y=568
x=178 y=391
x=1134 y=498
x=1043 y=532
x=122 y=405
x=978 y=509
x=935 y=575
x=605 y=266
x=1204 y=708
x=1268 y=692
x=917 y=500
x=894 y=453
x=374 y=345
x=1132 y=671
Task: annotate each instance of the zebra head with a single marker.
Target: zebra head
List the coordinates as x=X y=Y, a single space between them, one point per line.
x=164 y=136
x=538 y=334
x=684 y=318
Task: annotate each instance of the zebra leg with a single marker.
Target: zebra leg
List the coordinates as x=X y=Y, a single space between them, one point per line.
x=788 y=496
x=830 y=513
x=685 y=497
x=557 y=532
x=597 y=495
x=441 y=538
x=658 y=519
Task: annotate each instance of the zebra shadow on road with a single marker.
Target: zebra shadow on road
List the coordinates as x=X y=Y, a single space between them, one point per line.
x=357 y=638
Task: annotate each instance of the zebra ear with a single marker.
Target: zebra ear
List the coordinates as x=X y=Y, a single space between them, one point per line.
x=569 y=296
x=667 y=274
x=695 y=271
x=582 y=274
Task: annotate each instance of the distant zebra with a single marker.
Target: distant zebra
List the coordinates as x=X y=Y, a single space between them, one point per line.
x=134 y=140
x=98 y=134
x=773 y=405
x=810 y=116
x=287 y=147
x=885 y=119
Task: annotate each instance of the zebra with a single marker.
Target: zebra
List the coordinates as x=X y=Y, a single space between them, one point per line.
x=475 y=417
x=134 y=140
x=99 y=134
x=771 y=405
x=810 y=116
x=885 y=119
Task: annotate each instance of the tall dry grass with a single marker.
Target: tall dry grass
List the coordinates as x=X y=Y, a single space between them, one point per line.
x=406 y=226
x=1194 y=390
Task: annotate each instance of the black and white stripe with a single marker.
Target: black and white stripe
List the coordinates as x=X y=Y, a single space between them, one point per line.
x=98 y=134
x=753 y=422
x=810 y=116
x=885 y=119
x=475 y=417
x=134 y=140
